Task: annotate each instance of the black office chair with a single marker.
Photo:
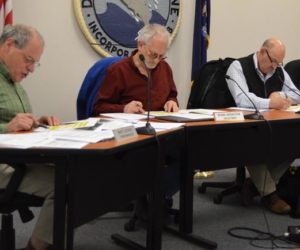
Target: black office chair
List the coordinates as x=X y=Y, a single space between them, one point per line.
x=11 y=200
x=210 y=91
x=293 y=69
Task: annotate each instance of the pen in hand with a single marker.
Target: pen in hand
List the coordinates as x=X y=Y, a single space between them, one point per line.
x=43 y=125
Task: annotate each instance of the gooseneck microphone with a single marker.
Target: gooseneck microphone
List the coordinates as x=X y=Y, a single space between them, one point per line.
x=291 y=89
x=255 y=116
x=148 y=129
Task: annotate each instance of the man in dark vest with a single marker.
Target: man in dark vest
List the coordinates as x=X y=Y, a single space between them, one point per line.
x=268 y=85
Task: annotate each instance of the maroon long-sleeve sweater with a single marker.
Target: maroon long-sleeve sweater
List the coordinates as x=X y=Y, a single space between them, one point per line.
x=124 y=83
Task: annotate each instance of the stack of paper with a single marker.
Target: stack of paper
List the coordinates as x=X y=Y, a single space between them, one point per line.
x=74 y=134
x=183 y=116
x=294 y=108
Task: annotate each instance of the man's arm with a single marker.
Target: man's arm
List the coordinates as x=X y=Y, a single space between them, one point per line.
x=49 y=120
x=289 y=88
x=235 y=72
x=277 y=101
x=134 y=107
x=172 y=103
x=109 y=94
x=22 y=122
x=171 y=106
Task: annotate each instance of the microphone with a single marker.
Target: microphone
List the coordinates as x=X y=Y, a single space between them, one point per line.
x=291 y=89
x=255 y=116
x=148 y=129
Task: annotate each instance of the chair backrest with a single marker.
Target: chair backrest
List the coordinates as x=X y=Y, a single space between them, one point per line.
x=293 y=69
x=90 y=86
x=210 y=89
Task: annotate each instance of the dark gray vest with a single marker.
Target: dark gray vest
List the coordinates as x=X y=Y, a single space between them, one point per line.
x=255 y=84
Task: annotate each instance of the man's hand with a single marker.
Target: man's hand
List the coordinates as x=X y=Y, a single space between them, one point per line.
x=279 y=102
x=49 y=120
x=134 y=107
x=171 y=106
x=22 y=122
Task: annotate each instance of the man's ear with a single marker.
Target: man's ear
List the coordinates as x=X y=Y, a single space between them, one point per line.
x=263 y=50
x=9 y=43
x=139 y=45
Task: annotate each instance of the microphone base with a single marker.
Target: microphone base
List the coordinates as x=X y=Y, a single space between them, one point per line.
x=147 y=130
x=254 y=116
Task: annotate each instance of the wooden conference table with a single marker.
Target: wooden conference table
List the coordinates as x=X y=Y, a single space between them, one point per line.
x=214 y=145
x=100 y=178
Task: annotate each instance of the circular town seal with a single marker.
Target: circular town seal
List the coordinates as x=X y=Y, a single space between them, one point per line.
x=111 y=26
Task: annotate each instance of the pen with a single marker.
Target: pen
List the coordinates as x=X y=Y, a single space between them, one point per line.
x=42 y=125
x=52 y=120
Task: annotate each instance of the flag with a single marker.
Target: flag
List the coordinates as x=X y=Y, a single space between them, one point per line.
x=6 y=15
x=201 y=35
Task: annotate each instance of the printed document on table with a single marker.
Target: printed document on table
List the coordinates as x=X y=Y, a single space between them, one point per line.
x=57 y=143
x=88 y=136
x=87 y=123
x=29 y=140
x=125 y=116
x=204 y=111
x=294 y=108
x=249 y=109
x=70 y=138
x=181 y=116
x=160 y=126
x=26 y=140
x=113 y=124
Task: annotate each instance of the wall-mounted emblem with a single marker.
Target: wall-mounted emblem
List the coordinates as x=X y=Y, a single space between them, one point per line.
x=111 y=26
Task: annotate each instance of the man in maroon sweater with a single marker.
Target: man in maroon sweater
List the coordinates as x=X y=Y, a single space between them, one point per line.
x=124 y=88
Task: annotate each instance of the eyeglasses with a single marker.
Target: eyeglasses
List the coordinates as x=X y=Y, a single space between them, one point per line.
x=273 y=61
x=30 y=61
x=155 y=55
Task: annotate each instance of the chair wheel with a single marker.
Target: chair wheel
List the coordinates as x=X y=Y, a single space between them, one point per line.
x=129 y=226
x=201 y=189
x=218 y=199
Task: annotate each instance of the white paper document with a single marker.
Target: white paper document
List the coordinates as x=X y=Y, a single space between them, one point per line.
x=113 y=124
x=249 y=109
x=160 y=126
x=182 y=116
x=22 y=140
x=204 y=111
x=65 y=138
x=57 y=143
x=126 y=117
x=294 y=108
x=89 y=123
x=89 y=136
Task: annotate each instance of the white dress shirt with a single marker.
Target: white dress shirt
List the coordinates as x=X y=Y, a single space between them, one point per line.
x=235 y=71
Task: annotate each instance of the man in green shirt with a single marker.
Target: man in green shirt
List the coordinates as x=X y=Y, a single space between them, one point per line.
x=20 y=50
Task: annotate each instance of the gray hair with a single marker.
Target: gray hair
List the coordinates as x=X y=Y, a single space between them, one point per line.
x=21 y=34
x=151 y=30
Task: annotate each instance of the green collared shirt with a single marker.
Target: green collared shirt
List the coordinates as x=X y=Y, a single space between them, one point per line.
x=13 y=99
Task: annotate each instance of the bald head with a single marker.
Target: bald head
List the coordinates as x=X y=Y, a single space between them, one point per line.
x=275 y=47
x=271 y=55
